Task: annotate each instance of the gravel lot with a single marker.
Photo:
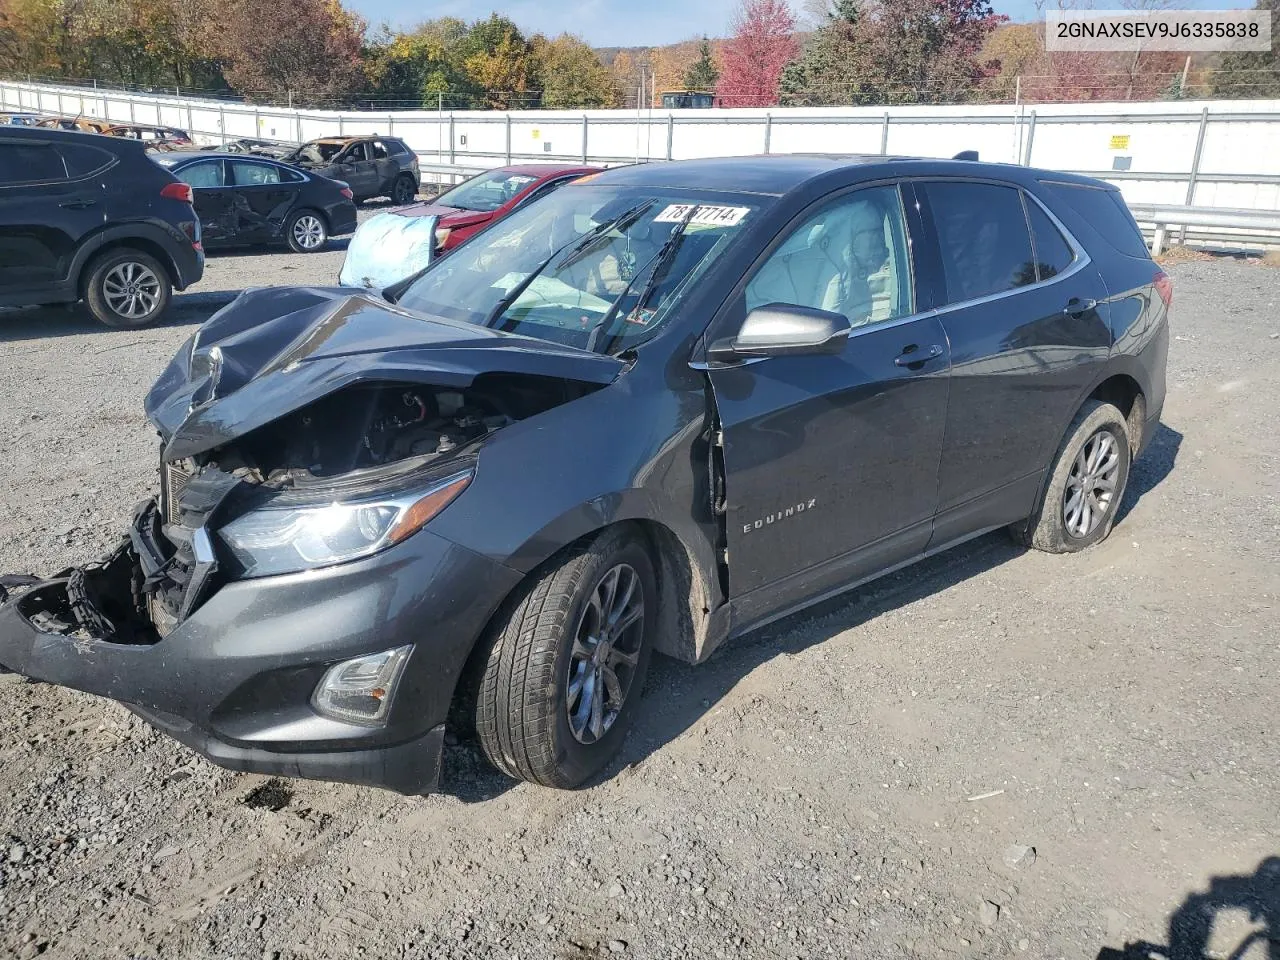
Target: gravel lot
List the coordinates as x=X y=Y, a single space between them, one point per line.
x=862 y=781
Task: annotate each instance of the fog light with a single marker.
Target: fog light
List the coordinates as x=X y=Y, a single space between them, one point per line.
x=361 y=690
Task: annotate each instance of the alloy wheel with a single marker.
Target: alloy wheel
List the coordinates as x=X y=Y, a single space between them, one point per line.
x=131 y=290
x=1091 y=485
x=606 y=650
x=308 y=232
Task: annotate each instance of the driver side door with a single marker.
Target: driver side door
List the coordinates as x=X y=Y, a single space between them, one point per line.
x=831 y=461
x=361 y=174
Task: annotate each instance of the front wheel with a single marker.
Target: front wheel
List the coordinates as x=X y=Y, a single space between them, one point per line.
x=127 y=289
x=567 y=664
x=1088 y=481
x=306 y=232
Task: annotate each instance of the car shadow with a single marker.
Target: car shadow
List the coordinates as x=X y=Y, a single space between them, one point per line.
x=1191 y=926
x=73 y=320
x=259 y=250
x=1148 y=472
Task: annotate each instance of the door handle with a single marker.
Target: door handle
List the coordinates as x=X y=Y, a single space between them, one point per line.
x=1076 y=306
x=78 y=204
x=914 y=356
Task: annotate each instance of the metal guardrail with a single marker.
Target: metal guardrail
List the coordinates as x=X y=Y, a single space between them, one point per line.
x=1255 y=227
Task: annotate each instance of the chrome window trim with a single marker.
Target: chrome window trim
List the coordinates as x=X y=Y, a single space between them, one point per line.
x=1082 y=260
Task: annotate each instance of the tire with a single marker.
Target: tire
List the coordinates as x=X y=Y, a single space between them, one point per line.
x=127 y=289
x=1059 y=525
x=403 y=190
x=306 y=232
x=536 y=674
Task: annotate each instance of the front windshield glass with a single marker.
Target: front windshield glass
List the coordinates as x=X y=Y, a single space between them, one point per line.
x=487 y=192
x=591 y=265
x=318 y=152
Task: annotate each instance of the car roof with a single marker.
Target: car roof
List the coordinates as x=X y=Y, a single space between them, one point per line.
x=777 y=174
x=177 y=156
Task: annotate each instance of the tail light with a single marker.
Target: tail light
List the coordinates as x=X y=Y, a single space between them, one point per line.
x=1164 y=286
x=346 y=192
x=177 y=191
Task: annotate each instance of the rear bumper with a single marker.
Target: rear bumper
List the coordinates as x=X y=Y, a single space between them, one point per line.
x=342 y=219
x=234 y=680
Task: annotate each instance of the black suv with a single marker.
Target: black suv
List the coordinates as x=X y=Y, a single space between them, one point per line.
x=371 y=166
x=87 y=217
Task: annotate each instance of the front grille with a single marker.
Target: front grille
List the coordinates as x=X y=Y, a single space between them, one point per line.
x=173 y=477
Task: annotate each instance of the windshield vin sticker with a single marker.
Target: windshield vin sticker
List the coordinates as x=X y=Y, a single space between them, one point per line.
x=711 y=216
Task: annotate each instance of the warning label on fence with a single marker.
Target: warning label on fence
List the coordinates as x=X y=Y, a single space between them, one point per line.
x=1119 y=141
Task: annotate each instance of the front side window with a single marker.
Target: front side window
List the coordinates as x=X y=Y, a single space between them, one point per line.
x=982 y=236
x=249 y=174
x=592 y=265
x=207 y=173
x=851 y=257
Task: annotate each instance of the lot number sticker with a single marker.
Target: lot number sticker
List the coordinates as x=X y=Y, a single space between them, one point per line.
x=708 y=216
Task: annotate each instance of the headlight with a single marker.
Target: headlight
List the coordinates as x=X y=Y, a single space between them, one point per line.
x=286 y=539
x=442 y=234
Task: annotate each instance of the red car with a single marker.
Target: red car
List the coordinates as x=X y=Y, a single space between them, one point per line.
x=473 y=205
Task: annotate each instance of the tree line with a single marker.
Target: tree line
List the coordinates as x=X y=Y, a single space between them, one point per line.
x=318 y=53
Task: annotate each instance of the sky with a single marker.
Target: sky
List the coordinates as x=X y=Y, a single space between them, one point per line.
x=634 y=23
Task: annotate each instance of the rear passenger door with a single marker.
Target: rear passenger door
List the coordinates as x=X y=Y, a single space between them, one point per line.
x=265 y=195
x=387 y=165
x=1024 y=311
x=45 y=212
x=213 y=199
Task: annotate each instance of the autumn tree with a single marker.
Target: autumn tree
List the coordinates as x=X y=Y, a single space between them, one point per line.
x=763 y=42
x=627 y=69
x=422 y=67
x=305 y=50
x=569 y=74
x=835 y=66
x=702 y=74
x=1017 y=48
x=1251 y=73
x=498 y=61
x=670 y=64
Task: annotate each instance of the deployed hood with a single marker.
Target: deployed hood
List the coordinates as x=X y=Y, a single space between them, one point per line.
x=275 y=350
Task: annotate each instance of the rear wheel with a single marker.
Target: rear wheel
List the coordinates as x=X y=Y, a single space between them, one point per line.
x=306 y=232
x=127 y=288
x=1086 y=486
x=403 y=189
x=567 y=664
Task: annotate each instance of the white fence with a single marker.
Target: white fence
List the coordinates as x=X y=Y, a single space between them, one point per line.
x=1211 y=153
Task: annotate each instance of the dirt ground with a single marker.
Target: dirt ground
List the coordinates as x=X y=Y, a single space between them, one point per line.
x=994 y=754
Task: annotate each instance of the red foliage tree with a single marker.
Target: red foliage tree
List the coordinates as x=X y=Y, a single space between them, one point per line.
x=763 y=43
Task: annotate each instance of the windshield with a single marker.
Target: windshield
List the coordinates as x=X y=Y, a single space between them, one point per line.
x=591 y=266
x=486 y=192
x=318 y=152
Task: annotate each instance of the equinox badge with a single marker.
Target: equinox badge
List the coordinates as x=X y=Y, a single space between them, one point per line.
x=783 y=514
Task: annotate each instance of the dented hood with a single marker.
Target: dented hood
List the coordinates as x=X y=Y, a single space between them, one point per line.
x=273 y=351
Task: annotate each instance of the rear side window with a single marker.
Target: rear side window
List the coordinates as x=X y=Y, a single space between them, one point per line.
x=29 y=163
x=83 y=160
x=395 y=147
x=289 y=176
x=207 y=173
x=249 y=174
x=379 y=151
x=983 y=238
x=1053 y=253
x=1106 y=212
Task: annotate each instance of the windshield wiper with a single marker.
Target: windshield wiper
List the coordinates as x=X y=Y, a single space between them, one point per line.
x=661 y=261
x=575 y=247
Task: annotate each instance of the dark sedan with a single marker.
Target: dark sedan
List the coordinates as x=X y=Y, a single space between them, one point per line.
x=256 y=200
x=661 y=407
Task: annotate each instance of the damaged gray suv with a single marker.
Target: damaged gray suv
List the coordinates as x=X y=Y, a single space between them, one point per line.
x=661 y=407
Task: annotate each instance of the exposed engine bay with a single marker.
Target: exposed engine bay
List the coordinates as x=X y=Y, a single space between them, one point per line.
x=379 y=424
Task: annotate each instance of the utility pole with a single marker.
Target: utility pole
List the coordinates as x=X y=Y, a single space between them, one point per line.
x=1182 y=87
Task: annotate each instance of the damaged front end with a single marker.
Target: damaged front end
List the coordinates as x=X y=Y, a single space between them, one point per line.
x=307 y=437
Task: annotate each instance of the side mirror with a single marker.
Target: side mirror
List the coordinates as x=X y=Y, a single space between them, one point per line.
x=783 y=329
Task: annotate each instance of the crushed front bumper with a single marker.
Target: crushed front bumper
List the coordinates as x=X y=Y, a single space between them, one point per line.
x=233 y=680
